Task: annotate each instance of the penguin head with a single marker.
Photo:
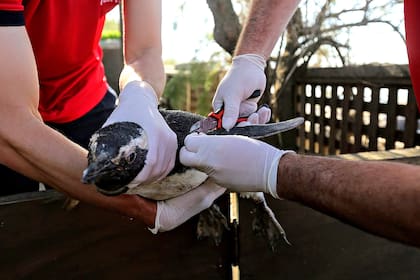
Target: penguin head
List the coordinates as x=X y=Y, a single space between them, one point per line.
x=116 y=154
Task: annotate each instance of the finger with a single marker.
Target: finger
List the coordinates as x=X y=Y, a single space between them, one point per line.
x=188 y=158
x=242 y=124
x=217 y=102
x=230 y=115
x=193 y=141
x=264 y=114
x=253 y=118
x=247 y=107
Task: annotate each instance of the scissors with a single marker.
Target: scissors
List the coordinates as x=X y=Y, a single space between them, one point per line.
x=214 y=119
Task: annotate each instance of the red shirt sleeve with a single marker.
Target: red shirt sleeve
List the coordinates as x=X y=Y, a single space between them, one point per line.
x=11 y=13
x=11 y=5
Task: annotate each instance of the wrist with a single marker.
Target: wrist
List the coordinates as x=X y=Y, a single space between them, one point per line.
x=135 y=207
x=274 y=174
x=140 y=90
x=255 y=59
x=284 y=175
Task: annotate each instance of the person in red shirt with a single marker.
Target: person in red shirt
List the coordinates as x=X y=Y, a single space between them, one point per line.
x=380 y=197
x=54 y=96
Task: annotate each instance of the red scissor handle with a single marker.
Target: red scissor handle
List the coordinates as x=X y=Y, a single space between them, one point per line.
x=219 y=115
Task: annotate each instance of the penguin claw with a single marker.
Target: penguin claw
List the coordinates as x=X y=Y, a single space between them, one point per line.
x=211 y=224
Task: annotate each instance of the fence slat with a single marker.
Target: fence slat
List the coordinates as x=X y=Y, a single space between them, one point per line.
x=299 y=92
x=374 y=109
x=410 y=120
x=345 y=120
x=312 y=120
x=333 y=121
x=321 y=135
x=358 y=121
x=391 y=119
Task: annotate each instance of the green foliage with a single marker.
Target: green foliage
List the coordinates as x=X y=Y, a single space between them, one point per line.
x=111 y=30
x=111 y=34
x=201 y=78
x=175 y=91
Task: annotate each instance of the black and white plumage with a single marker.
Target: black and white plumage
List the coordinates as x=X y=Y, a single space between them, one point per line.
x=117 y=153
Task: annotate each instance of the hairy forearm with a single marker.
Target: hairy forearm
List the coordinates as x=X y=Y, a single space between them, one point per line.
x=380 y=197
x=267 y=20
x=142 y=44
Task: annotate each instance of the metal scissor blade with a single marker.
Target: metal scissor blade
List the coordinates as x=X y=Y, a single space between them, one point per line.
x=212 y=121
x=204 y=125
x=257 y=131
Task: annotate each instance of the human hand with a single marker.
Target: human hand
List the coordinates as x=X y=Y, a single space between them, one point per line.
x=238 y=163
x=138 y=103
x=245 y=75
x=175 y=211
x=262 y=116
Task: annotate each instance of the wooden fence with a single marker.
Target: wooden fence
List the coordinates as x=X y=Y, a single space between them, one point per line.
x=353 y=109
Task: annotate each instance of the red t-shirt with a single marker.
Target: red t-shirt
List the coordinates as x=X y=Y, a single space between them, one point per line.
x=65 y=37
x=412 y=32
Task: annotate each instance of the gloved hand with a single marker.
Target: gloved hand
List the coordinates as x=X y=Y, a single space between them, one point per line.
x=238 y=163
x=138 y=103
x=174 y=212
x=262 y=116
x=245 y=75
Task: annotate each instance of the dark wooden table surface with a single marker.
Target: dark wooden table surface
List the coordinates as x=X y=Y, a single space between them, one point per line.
x=41 y=240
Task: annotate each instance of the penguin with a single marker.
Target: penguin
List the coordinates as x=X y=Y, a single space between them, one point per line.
x=117 y=153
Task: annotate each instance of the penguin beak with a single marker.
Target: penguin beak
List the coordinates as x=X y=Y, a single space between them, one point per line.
x=113 y=192
x=94 y=172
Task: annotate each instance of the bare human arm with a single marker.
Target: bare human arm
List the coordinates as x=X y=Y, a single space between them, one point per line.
x=381 y=197
x=267 y=20
x=143 y=44
x=30 y=147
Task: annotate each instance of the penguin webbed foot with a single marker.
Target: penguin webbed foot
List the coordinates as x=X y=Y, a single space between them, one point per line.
x=265 y=223
x=211 y=224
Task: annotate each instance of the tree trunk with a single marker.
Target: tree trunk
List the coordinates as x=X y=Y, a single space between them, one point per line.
x=226 y=24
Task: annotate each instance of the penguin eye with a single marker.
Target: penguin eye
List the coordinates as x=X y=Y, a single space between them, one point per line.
x=131 y=157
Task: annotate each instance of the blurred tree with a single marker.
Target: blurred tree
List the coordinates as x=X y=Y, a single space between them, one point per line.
x=315 y=25
x=317 y=29
x=192 y=87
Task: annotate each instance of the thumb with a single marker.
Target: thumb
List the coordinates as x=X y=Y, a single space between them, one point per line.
x=188 y=158
x=231 y=114
x=193 y=141
x=217 y=103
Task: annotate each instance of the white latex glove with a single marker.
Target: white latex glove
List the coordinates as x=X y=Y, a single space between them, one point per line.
x=262 y=116
x=245 y=75
x=138 y=103
x=236 y=162
x=174 y=212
